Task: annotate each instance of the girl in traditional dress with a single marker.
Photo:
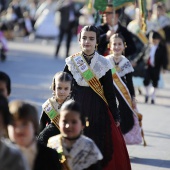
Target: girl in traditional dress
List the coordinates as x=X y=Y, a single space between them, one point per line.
x=93 y=89
x=10 y=156
x=77 y=152
x=61 y=86
x=125 y=70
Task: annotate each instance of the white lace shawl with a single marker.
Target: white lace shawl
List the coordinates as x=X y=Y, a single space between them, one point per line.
x=124 y=64
x=99 y=65
x=83 y=154
x=54 y=103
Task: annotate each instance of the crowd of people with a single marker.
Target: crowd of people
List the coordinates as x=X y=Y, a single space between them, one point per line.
x=92 y=113
x=48 y=19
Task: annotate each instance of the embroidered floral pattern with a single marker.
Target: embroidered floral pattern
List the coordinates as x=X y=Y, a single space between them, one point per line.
x=83 y=154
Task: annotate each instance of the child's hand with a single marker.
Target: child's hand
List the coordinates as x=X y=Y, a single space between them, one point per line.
x=133 y=63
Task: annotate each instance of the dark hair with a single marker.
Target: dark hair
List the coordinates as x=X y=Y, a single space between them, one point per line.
x=61 y=76
x=21 y=110
x=5 y=78
x=91 y=28
x=117 y=35
x=4 y=110
x=109 y=5
x=149 y=10
x=71 y=105
x=155 y=35
x=160 y=5
x=118 y=11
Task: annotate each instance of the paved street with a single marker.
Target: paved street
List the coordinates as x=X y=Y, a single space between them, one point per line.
x=31 y=67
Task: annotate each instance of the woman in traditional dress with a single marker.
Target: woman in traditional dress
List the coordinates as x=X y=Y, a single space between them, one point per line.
x=93 y=89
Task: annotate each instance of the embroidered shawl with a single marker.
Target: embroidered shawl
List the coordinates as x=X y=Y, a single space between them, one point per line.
x=83 y=154
x=124 y=64
x=99 y=65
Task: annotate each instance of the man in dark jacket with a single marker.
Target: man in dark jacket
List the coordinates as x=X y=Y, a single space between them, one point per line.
x=67 y=24
x=110 y=26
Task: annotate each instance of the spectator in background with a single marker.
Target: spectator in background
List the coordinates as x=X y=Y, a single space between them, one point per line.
x=164 y=23
x=3 y=5
x=45 y=26
x=17 y=9
x=67 y=25
x=162 y=17
x=157 y=60
x=3 y=46
x=10 y=156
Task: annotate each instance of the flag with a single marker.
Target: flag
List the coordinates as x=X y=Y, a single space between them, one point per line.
x=120 y=3
x=89 y=4
x=142 y=7
x=100 y=5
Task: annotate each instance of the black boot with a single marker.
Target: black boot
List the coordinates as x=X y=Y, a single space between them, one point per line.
x=152 y=101
x=2 y=55
x=146 y=99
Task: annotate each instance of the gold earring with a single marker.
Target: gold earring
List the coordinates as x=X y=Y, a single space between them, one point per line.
x=123 y=52
x=125 y=45
x=87 y=122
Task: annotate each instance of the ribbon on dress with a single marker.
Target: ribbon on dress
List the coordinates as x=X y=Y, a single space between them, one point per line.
x=88 y=75
x=51 y=112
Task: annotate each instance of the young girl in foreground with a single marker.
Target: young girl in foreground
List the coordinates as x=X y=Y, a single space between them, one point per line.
x=61 y=86
x=77 y=152
x=93 y=89
x=10 y=156
x=23 y=129
x=124 y=69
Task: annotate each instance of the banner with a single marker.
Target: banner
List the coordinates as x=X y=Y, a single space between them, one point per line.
x=89 y=4
x=100 y=4
x=142 y=7
x=120 y=3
